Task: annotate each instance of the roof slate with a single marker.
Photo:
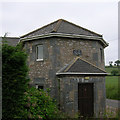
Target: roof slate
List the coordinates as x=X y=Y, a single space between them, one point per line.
x=13 y=41
x=62 y=26
x=81 y=66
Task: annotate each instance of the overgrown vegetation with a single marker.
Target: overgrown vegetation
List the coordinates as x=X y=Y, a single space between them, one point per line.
x=20 y=101
x=14 y=81
x=38 y=104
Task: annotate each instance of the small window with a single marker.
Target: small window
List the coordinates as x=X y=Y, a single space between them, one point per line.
x=39 y=52
x=39 y=87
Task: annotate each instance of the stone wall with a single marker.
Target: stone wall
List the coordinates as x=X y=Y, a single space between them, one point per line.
x=57 y=53
x=112 y=108
x=69 y=94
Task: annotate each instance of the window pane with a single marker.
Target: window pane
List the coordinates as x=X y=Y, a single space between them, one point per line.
x=40 y=52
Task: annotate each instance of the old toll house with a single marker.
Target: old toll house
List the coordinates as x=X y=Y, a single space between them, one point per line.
x=69 y=60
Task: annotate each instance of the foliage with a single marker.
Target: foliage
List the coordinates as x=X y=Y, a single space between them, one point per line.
x=117 y=62
x=14 y=81
x=114 y=72
x=38 y=104
x=19 y=101
x=110 y=69
x=110 y=63
x=112 y=114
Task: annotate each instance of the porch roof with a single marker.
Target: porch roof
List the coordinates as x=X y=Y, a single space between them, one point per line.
x=80 y=66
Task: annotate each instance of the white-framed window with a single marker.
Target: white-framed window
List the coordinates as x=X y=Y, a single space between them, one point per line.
x=39 y=52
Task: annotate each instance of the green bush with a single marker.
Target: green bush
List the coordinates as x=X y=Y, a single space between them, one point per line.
x=14 y=81
x=19 y=101
x=38 y=104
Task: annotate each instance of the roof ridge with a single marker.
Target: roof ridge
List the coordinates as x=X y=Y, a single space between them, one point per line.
x=57 y=25
x=84 y=61
x=39 y=28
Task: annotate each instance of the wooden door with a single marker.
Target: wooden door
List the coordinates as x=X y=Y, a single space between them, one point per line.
x=85 y=99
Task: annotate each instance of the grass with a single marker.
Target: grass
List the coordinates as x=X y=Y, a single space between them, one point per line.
x=112 y=84
x=112 y=87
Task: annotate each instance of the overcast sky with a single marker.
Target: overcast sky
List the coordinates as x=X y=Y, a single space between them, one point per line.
x=19 y=18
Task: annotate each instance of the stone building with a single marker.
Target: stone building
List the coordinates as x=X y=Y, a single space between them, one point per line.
x=69 y=60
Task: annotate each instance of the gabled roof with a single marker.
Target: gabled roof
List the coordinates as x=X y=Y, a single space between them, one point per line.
x=63 y=28
x=81 y=67
x=13 y=41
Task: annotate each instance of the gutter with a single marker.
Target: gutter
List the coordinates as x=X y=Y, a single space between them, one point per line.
x=63 y=35
x=72 y=73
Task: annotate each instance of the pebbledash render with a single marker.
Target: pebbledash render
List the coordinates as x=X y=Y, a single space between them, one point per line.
x=69 y=60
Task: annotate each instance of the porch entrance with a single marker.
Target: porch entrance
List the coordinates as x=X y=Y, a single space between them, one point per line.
x=85 y=99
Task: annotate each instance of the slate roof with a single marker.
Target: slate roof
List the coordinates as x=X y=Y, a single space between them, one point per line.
x=13 y=41
x=62 y=26
x=82 y=67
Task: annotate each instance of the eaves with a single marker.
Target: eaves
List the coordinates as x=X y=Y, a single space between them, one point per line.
x=64 y=35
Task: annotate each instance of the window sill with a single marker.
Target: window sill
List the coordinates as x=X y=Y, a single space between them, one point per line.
x=39 y=60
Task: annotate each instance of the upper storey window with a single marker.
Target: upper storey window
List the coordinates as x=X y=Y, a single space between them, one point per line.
x=39 y=52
